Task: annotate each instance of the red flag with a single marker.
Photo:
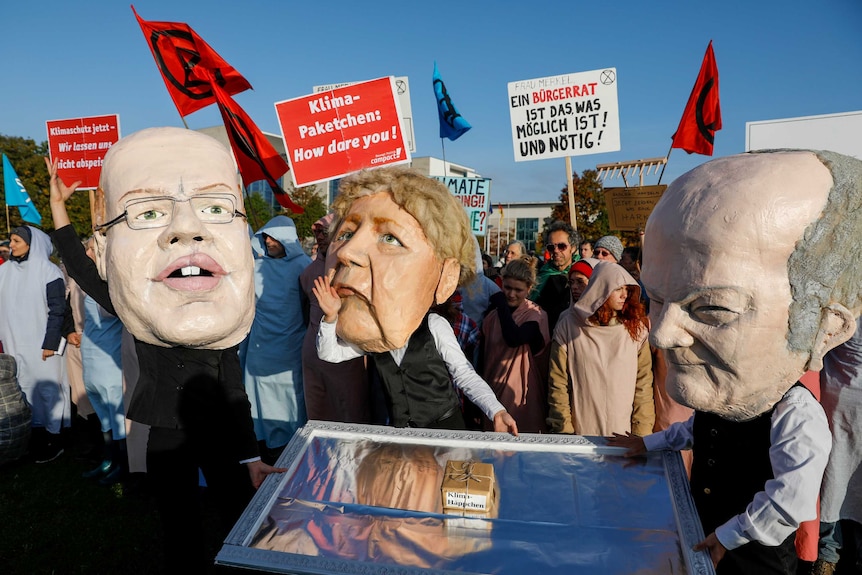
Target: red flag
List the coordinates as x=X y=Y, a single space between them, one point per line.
x=187 y=63
x=256 y=157
x=702 y=116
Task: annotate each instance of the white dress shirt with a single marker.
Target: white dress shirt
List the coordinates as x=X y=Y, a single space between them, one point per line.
x=800 y=443
x=465 y=378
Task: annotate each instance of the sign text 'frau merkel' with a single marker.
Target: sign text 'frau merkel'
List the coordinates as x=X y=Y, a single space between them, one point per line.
x=79 y=146
x=331 y=134
x=568 y=115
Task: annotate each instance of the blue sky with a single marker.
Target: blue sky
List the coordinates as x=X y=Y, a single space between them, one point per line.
x=776 y=59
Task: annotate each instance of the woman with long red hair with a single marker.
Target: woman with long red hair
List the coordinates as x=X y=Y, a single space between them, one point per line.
x=600 y=379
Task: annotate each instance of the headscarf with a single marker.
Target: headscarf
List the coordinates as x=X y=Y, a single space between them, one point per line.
x=25 y=234
x=324 y=222
x=607 y=277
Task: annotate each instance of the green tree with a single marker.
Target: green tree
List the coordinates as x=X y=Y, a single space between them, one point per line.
x=314 y=206
x=26 y=157
x=590 y=212
x=258 y=210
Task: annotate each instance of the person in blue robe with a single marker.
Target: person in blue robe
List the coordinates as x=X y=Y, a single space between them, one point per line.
x=272 y=353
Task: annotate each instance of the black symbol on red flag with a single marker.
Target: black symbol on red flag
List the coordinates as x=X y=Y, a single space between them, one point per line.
x=188 y=64
x=702 y=116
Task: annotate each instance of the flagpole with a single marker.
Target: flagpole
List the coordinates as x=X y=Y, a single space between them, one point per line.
x=443 y=146
x=500 y=229
x=571 y=187
x=666 y=159
x=508 y=223
x=8 y=229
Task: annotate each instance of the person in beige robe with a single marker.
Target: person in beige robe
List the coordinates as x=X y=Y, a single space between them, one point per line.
x=600 y=379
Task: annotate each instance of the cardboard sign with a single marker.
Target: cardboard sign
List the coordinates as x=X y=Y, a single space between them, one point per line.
x=80 y=145
x=568 y=115
x=629 y=208
x=331 y=134
x=469 y=485
x=474 y=194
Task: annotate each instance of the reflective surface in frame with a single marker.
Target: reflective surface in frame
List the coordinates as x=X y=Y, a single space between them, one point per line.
x=354 y=499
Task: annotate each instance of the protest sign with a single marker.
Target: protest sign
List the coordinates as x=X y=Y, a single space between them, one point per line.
x=79 y=146
x=568 y=115
x=474 y=194
x=331 y=134
x=402 y=89
x=629 y=208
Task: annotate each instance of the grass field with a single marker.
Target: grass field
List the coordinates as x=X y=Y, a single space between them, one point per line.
x=52 y=521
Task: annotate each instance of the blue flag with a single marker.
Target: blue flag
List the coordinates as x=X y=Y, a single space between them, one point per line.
x=452 y=124
x=16 y=195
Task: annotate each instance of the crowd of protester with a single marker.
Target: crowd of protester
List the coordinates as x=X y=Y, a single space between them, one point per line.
x=562 y=341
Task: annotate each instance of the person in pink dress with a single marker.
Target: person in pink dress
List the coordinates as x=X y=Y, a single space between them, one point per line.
x=516 y=339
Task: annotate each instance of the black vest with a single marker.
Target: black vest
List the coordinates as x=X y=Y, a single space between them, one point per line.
x=419 y=392
x=731 y=464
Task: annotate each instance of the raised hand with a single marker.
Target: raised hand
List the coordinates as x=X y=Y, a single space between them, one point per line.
x=60 y=192
x=327 y=297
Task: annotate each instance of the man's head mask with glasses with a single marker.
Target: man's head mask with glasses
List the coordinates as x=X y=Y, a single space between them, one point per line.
x=177 y=276
x=157 y=212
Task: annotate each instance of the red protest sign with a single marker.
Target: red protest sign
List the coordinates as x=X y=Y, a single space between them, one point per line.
x=80 y=145
x=330 y=134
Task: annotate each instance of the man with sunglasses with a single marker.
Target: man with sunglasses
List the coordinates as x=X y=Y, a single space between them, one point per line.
x=173 y=261
x=551 y=291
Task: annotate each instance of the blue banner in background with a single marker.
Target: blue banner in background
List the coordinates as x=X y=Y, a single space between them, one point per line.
x=452 y=124
x=17 y=196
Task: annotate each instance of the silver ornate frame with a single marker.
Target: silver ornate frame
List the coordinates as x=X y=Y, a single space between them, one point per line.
x=237 y=553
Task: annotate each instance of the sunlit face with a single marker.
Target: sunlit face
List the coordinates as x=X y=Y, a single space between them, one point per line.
x=386 y=273
x=513 y=252
x=586 y=250
x=617 y=299
x=17 y=246
x=560 y=258
x=578 y=282
x=516 y=291
x=604 y=255
x=715 y=267
x=187 y=283
x=274 y=249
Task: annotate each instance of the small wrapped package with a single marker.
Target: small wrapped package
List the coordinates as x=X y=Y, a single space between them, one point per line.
x=469 y=486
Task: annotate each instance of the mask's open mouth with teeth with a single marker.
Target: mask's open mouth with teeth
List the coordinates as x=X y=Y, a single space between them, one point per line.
x=189 y=271
x=195 y=272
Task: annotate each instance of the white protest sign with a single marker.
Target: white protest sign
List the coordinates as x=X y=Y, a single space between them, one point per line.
x=569 y=115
